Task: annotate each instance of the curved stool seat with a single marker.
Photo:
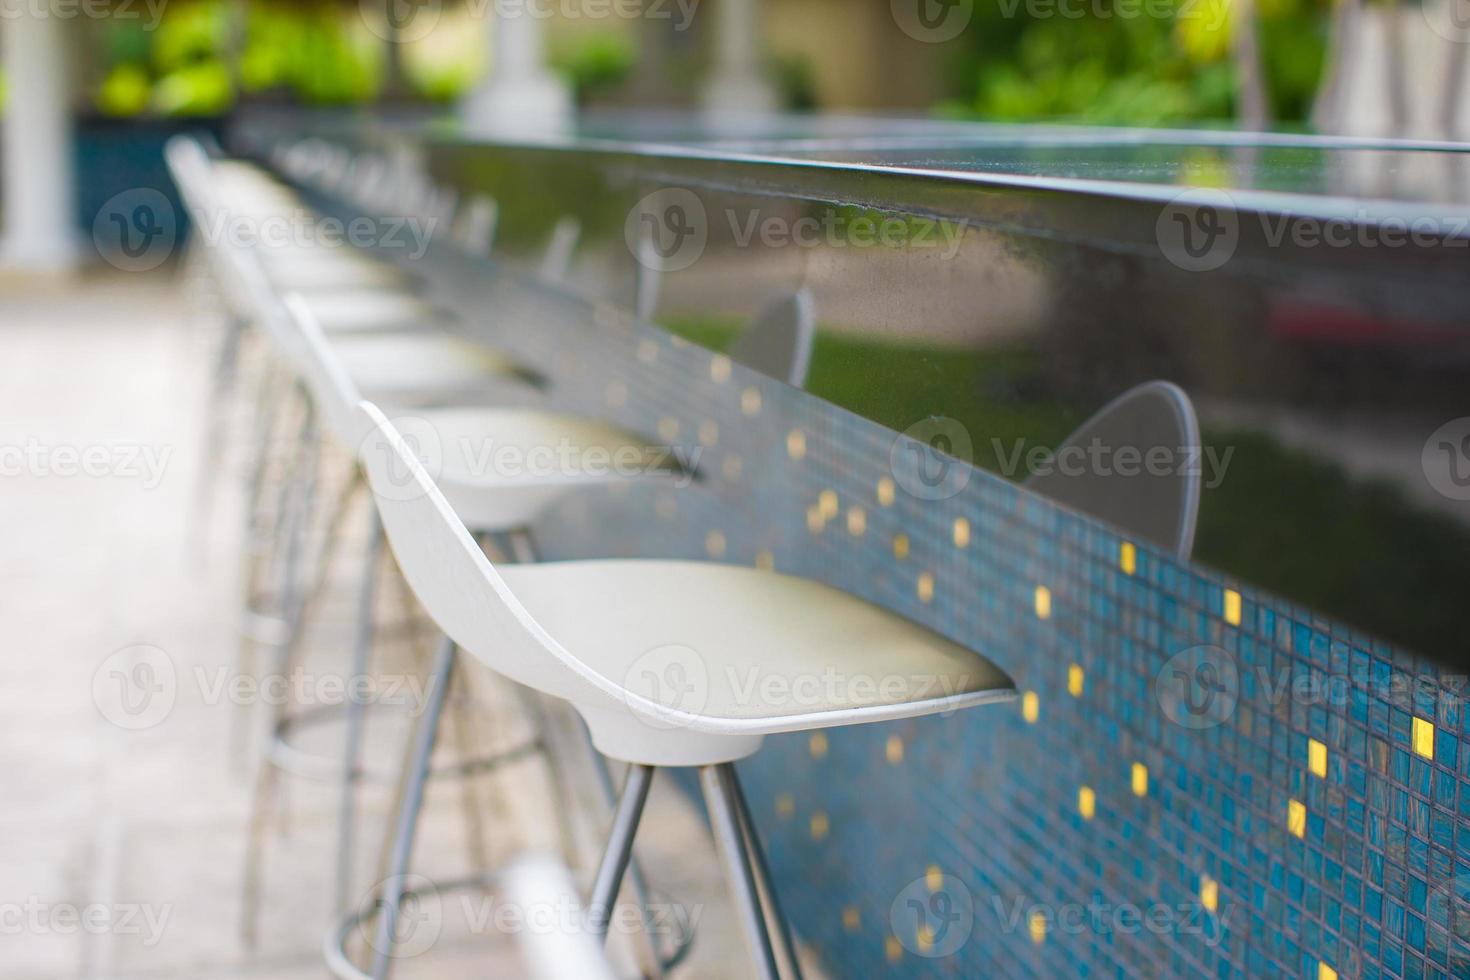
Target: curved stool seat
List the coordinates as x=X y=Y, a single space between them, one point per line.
x=501 y=468
x=761 y=652
x=401 y=367
x=370 y=311
x=314 y=273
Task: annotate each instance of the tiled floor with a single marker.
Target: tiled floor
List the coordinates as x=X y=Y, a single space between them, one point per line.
x=121 y=847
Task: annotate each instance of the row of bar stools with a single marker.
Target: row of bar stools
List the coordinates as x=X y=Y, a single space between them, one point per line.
x=641 y=740
x=769 y=333
x=413 y=365
x=574 y=629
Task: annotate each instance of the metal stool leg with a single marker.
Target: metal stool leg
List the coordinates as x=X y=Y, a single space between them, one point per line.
x=355 y=711
x=619 y=848
x=652 y=961
x=259 y=559
x=221 y=385
x=541 y=723
x=462 y=730
x=412 y=802
x=299 y=503
x=720 y=789
x=770 y=901
x=267 y=417
x=520 y=545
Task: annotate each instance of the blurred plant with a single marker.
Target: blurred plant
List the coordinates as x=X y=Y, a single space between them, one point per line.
x=796 y=81
x=272 y=42
x=179 y=69
x=594 y=62
x=191 y=33
x=320 y=52
x=444 y=64
x=126 y=91
x=1104 y=61
x=338 y=60
x=201 y=88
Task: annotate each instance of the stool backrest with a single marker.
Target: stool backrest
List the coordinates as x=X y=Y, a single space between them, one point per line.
x=331 y=387
x=456 y=584
x=778 y=343
x=1158 y=504
x=367 y=180
x=240 y=278
x=557 y=261
x=238 y=269
x=188 y=165
x=473 y=230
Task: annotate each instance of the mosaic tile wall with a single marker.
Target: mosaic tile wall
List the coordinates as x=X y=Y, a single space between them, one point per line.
x=1198 y=779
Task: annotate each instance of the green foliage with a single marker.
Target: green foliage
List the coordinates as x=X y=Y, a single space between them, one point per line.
x=190 y=33
x=322 y=53
x=796 y=81
x=125 y=91
x=595 y=62
x=202 y=88
x=272 y=45
x=445 y=64
x=1138 y=62
x=338 y=61
x=177 y=69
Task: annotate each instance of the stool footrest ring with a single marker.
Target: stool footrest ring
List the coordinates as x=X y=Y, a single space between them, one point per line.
x=311 y=765
x=334 y=946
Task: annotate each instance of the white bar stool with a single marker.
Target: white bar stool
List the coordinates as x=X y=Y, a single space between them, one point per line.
x=596 y=634
x=412 y=370
x=399 y=367
x=506 y=504
x=490 y=501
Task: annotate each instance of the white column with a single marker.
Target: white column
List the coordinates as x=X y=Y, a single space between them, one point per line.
x=739 y=82
x=520 y=91
x=39 y=205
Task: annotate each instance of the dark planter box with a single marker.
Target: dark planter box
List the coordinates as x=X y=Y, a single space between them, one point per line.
x=125 y=156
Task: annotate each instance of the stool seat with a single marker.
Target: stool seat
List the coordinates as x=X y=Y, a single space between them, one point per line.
x=318 y=273
x=501 y=468
x=734 y=651
x=723 y=654
x=411 y=368
x=355 y=310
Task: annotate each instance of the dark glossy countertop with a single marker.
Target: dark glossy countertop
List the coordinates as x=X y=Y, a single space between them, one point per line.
x=1281 y=170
